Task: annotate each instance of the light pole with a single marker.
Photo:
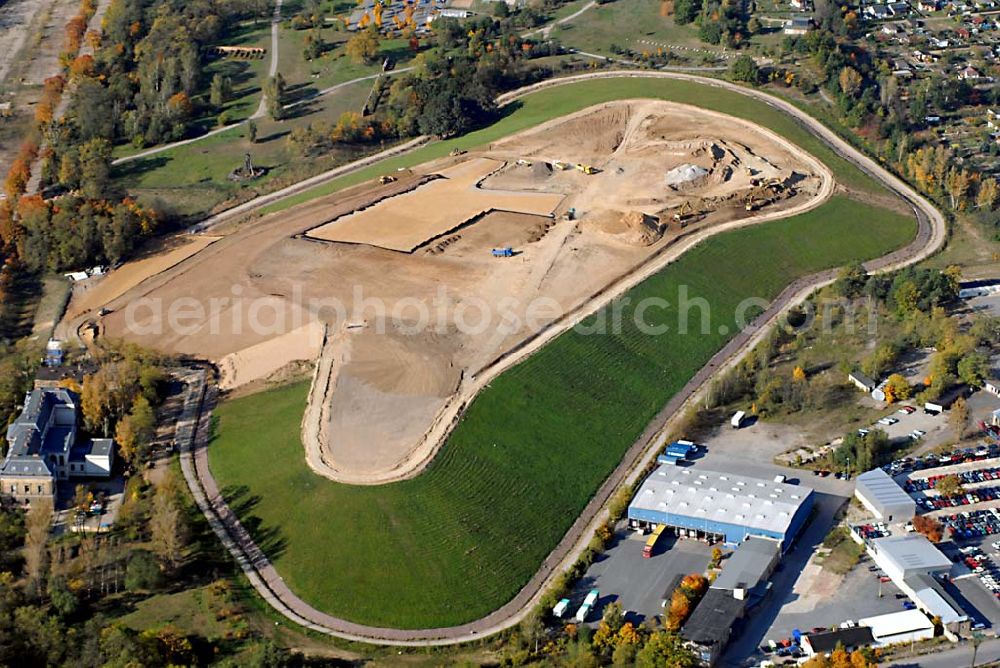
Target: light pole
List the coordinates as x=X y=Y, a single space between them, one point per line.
x=977 y=639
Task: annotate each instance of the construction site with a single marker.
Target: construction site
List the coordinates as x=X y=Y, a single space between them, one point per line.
x=402 y=295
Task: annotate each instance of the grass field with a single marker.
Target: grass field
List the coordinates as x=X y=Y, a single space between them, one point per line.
x=192 y=178
x=566 y=99
x=462 y=538
x=625 y=24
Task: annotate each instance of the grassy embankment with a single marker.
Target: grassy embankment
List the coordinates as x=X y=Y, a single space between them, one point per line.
x=459 y=540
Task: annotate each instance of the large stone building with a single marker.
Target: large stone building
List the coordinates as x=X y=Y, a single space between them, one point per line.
x=44 y=448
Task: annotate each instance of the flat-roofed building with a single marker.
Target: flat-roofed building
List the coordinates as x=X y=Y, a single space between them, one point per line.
x=724 y=506
x=880 y=494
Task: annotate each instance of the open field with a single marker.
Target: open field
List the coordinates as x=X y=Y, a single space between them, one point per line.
x=558 y=101
x=192 y=179
x=463 y=537
x=626 y=23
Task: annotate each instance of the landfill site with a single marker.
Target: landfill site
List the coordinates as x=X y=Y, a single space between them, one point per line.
x=398 y=293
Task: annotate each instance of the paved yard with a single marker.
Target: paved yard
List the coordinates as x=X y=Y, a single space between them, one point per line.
x=622 y=574
x=988 y=305
x=856 y=596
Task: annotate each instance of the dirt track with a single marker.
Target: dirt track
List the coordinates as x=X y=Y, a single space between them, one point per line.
x=931 y=236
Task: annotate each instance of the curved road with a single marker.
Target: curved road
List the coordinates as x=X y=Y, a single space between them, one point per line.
x=193 y=429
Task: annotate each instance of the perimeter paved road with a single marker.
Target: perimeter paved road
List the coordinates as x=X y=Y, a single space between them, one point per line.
x=930 y=237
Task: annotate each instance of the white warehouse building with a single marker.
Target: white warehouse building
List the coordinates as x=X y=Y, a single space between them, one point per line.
x=879 y=493
x=899 y=627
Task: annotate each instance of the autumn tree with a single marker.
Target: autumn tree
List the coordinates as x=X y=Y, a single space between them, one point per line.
x=959 y=417
x=850 y=81
x=958 y=183
x=988 y=195
x=897 y=388
x=929 y=527
x=664 y=648
x=363 y=47
x=949 y=486
x=168 y=530
x=38 y=524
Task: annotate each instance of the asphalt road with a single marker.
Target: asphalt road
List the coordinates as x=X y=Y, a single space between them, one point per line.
x=930 y=237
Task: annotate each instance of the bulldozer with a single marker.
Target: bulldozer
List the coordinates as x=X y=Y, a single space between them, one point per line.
x=586 y=169
x=386 y=179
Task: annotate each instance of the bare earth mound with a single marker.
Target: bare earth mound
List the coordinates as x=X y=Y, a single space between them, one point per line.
x=401 y=278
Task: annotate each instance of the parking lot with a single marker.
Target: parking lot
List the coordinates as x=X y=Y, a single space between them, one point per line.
x=66 y=519
x=622 y=574
x=856 y=596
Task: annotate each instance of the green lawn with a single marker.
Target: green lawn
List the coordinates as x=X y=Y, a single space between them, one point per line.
x=566 y=99
x=625 y=23
x=462 y=538
x=192 y=178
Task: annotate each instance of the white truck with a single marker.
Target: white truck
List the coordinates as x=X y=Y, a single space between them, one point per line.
x=737 y=420
x=560 y=608
x=588 y=604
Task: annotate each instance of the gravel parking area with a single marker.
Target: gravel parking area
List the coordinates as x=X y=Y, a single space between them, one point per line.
x=622 y=574
x=988 y=305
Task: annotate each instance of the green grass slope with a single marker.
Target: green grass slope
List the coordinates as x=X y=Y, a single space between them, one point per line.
x=458 y=541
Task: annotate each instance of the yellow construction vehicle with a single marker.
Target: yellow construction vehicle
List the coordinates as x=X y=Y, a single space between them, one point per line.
x=560 y=165
x=586 y=169
x=455 y=152
x=383 y=180
x=684 y=212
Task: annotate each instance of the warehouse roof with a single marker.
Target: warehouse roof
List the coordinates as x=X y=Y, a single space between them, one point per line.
x=749 y=565
x=912 y=552
x=712 y=620
x=930 y=595
x=721 y=497
x=879 y=487
x=895 y=623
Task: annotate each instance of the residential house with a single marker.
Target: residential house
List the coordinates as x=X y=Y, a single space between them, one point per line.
x=969 y=73
x=799 y=25
x=44 y=448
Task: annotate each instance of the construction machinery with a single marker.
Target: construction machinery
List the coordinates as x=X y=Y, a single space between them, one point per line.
x=562 y=166
x=524 y=163
x=455 y=152
x=506 y=251
x=570 y=214
x=386 y=178
x=586 y=169
x=686 y=212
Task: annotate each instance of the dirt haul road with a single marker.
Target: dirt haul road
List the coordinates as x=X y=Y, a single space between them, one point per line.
x=931 y=236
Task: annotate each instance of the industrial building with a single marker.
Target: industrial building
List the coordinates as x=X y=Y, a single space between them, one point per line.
x=899 y=627
x=880 y=494
x=742 y=583
x=727 y=507
x=914 y=564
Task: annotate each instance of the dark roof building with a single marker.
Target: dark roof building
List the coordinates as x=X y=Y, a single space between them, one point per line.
x=851 y=639
x=43 y=447
x=708 y=629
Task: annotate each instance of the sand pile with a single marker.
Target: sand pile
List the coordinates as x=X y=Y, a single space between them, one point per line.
x=686 y=174
x=634 y=228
